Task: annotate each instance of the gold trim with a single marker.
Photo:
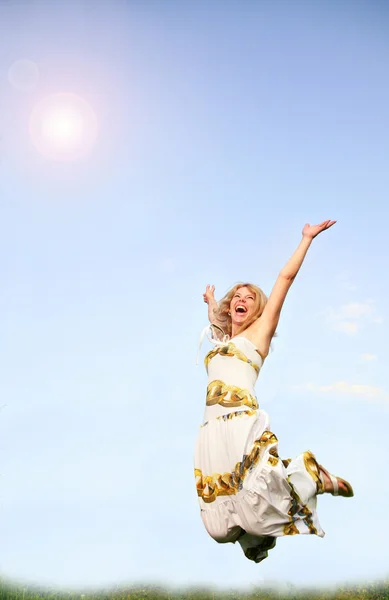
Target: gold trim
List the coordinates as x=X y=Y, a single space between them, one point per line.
x=313 y=469
x=227 y=484
x=302 y=511
x=290 y=529
x=237 y=413
x=308 y=520
x=231 y=415
x=273 y=458
x=226 y=395
x=230 y=350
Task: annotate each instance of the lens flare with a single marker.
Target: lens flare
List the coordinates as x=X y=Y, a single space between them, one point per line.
x=63 y=127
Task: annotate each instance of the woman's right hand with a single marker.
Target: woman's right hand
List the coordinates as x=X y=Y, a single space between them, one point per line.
x=209 y=294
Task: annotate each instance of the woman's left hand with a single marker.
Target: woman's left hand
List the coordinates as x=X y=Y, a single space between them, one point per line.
x=311 y=231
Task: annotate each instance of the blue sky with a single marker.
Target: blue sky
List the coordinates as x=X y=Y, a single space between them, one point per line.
x=223 y=129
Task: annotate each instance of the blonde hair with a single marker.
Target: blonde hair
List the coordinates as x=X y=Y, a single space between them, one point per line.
x=223 y=316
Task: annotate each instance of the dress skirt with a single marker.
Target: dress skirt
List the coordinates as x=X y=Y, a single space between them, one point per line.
x=247 y=493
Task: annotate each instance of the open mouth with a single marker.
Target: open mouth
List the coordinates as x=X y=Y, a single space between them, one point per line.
x=240 y=309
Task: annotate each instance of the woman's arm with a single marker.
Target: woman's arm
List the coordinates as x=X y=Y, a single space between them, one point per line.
x=213 y=306
x=266 y=325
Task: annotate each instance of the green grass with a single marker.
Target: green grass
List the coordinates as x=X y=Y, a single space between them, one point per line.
x=9 y=591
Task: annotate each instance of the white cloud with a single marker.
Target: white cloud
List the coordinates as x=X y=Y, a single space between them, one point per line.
x=346 y=326
x=355 y=310
x=345 y=388
x=378 y=320
x=369 y=357
x=349 y=317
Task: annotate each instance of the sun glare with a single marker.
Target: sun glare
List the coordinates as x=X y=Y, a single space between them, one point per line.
x=63 y=127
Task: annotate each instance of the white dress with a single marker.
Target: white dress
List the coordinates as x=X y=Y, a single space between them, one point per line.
x=246 y=492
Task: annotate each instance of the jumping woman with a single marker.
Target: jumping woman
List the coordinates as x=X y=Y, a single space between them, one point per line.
x=247 y=494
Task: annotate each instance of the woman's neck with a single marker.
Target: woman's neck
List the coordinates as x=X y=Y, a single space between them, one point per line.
x=234 y=330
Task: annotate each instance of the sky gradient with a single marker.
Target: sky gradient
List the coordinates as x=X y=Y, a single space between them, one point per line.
x=222 y=129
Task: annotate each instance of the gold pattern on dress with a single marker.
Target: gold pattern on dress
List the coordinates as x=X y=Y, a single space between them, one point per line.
x=313 y=469
x=226 y=484
x=213 y=485
x=273 y=458
x=230 y=350
x=307 y=518
x=231 y=415
x=301 y=510
x=268 y=438
x=237 y=413
x=226 y=395
x=290 y=529
x=286 y=462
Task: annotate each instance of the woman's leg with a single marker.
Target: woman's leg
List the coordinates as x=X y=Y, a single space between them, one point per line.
x=310 y=479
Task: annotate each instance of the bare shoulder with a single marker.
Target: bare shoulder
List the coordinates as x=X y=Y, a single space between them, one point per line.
x=258 y=335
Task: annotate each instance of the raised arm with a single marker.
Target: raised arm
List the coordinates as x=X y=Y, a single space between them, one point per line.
x=213 y=306
x=264 y=328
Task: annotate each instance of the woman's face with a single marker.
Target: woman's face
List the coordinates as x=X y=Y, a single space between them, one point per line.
x=242 y=305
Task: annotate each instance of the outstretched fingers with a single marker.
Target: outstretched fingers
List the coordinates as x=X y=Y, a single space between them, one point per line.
x=327 y=224
x=209 y=291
